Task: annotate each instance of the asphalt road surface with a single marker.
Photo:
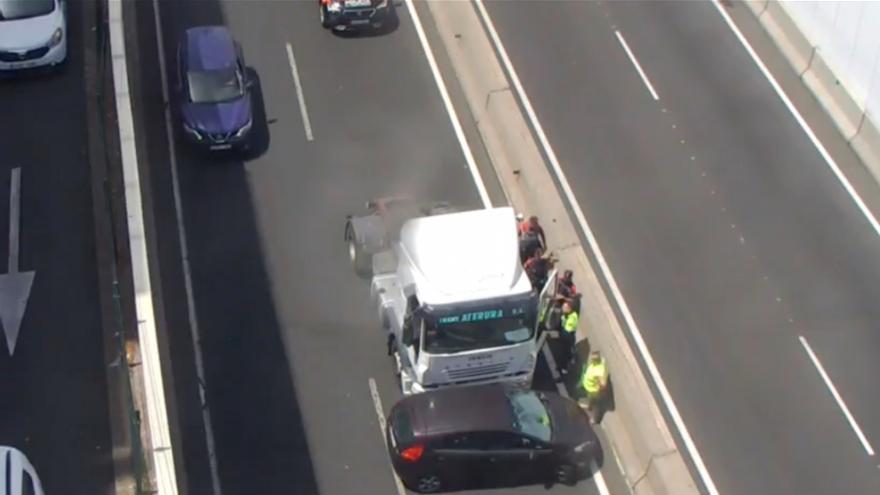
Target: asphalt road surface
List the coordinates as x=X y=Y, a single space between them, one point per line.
x=289 y=337
x=54 y=404
x=729 y=235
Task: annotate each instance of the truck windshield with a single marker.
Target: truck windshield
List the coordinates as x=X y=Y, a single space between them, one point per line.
x=458 y=336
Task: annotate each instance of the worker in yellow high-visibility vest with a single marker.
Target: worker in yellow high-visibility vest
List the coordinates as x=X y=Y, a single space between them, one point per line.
x=595 y=382
x=568 y=324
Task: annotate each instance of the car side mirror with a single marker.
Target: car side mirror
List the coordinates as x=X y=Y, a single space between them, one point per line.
x=249 y=83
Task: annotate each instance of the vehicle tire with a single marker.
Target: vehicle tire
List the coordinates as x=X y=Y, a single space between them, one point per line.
x=566 y=474
x=427 y=483
x=325 y=18
x=361 y=261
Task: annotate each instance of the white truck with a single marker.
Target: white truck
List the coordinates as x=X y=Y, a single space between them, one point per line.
x=451 y=291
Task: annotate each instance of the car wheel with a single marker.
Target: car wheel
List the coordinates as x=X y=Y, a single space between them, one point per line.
x=325 y=19
x=565 y=474
x=429 y=483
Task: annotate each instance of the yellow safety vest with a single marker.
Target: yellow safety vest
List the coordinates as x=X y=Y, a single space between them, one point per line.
x=594 y=375
x=570 y=322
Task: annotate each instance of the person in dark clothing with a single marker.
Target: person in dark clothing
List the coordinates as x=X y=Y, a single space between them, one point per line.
x=565 y=285
x=531 y=237
x=538 y=267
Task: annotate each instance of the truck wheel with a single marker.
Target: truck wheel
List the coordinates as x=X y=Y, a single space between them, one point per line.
x=360 y=260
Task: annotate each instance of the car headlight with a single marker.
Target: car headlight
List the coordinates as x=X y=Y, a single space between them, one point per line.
x=334 y=6
x=192 y=132
x=245 y=128
x=57 y=36
x=383 y=4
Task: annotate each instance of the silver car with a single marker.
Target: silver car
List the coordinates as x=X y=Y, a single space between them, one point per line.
x=33 y=34
x=17 y=475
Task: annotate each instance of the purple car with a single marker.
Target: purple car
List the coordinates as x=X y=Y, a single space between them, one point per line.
x=214 y=90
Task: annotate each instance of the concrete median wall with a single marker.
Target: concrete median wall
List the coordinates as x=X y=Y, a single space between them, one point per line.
x=652 y=463
x=813 y=50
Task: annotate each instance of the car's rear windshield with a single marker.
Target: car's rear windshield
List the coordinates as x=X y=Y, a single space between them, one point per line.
x=22 y=9
x=401 y=426
x=530 y=416
x=214 y=86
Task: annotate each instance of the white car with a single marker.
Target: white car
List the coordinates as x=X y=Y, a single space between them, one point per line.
x=33 y=33
x=17 y=475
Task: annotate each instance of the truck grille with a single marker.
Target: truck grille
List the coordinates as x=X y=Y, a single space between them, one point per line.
x=476 y=371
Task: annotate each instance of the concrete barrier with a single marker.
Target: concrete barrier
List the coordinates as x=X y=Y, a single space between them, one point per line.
x=857 y=126
x=790 y=40
x=650 y=459
x=165 y=470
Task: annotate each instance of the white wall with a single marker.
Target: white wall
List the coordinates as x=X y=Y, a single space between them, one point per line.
x=847 y=33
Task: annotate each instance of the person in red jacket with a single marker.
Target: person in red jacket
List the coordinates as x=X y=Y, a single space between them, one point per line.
x=531 y=237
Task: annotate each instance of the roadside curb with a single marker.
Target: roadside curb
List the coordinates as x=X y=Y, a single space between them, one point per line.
x=154 y=389
x=649 y=457
x=852 y=119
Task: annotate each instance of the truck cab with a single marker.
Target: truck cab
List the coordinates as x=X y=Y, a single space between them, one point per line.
x=456 y=302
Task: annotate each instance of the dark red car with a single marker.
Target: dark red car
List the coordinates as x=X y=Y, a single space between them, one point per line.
x=443 y=439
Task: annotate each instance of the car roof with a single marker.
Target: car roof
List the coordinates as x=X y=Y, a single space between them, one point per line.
x=460 y=409
x=210 y=48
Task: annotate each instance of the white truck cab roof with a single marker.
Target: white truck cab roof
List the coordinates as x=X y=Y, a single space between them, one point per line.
x=464 y=256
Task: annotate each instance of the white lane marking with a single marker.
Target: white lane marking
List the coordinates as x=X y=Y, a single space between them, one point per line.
x=600 y=259
x=377 y=403
x=837 y=397
x=447 y=102
x=299 y=93
x=184 y=256
x=598 y=478
x=635 y=62
x=14 y=218
x=154 y=388
x=800 y=120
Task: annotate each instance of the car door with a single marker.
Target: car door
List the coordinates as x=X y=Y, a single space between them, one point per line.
x=545 y=301
x=457 y=456
x=509 y=456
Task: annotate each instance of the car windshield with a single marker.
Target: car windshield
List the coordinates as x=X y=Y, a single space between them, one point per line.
x=530 y=417
x=476 y=330
x=214 y=86
x=22 y=9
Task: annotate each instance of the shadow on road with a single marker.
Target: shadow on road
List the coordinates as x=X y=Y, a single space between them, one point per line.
x=258 y=430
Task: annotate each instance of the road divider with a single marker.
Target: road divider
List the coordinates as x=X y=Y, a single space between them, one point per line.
x=157 y=413
x=637 y=429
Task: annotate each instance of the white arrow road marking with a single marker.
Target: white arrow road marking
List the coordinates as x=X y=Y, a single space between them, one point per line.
x=15 y=286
